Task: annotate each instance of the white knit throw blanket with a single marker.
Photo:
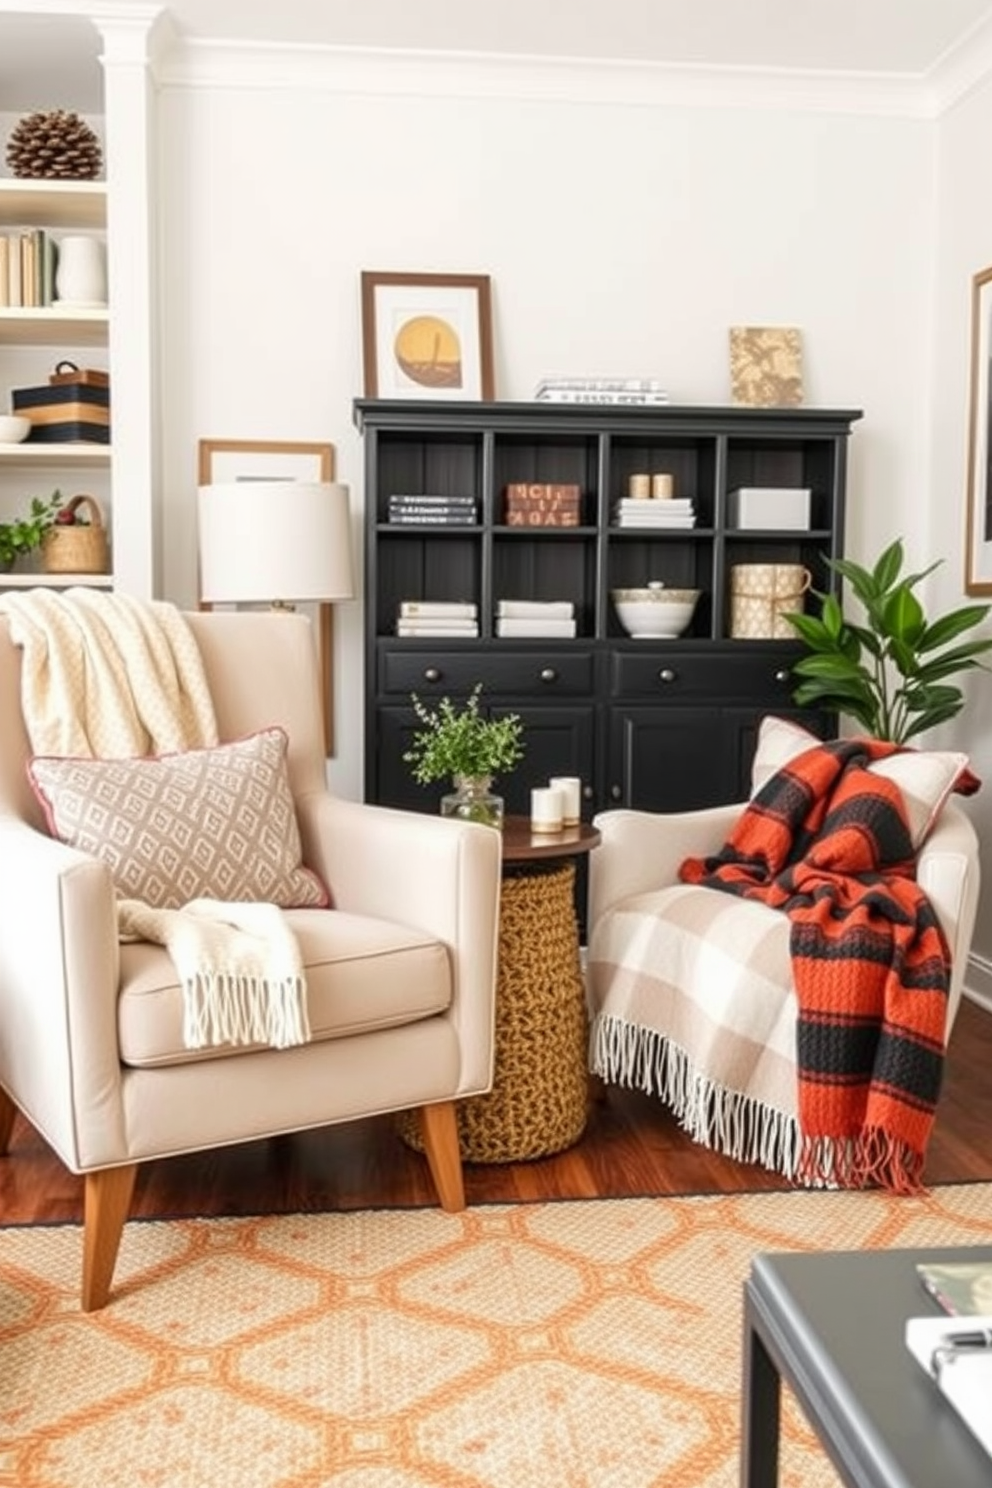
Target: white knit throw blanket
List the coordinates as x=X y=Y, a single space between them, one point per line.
x=110 y=676
x=239 y=966
x=107 y=675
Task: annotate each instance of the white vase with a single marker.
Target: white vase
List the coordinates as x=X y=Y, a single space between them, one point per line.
x=81 y=271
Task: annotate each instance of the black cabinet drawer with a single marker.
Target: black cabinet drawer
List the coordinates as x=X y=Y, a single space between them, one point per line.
x=671 y=673
x=541 y=672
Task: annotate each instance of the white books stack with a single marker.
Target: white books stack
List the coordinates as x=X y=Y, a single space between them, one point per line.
x=676 y=512
x=423 y=617
x=535 y=617
x=630 y=391
x=956 y=1353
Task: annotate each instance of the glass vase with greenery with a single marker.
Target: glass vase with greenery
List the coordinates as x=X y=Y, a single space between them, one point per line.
x=891 y=670
x=465 y=746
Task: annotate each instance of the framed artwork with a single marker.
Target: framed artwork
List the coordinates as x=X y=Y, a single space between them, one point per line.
x=228 y=460
x=978 y=541
x=766 y=366
x=427 y=336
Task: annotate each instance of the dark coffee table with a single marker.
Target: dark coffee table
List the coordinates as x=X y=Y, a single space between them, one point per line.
x=832 y=1326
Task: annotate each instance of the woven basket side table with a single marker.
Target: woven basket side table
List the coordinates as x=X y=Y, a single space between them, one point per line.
x=538 y=1102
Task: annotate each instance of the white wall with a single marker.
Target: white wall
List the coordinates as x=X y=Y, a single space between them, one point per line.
x=619 y=238
x=964 y=247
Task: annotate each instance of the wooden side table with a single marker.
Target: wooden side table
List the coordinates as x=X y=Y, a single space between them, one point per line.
x=539 y=1100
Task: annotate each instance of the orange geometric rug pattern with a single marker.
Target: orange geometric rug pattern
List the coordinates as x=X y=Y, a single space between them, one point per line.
x=568 y=1345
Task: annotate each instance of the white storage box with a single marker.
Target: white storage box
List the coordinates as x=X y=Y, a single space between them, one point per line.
x=783 y=507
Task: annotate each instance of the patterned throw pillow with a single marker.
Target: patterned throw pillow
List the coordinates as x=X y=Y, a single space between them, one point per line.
x=925 y=777
x=208 y=823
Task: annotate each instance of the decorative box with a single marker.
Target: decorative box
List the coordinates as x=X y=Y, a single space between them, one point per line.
x=783 y=507
x=542 y=504
x=66 y=412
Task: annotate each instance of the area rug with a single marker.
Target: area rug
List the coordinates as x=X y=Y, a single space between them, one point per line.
x=572 y=1344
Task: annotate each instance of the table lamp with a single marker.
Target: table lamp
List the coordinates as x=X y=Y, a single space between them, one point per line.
x=281 y=543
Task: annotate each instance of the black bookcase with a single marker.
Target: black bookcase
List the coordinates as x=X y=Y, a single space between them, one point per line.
x=662 y=725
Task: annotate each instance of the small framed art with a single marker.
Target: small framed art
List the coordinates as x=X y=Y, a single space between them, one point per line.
x=978 y=539
x=427 y=336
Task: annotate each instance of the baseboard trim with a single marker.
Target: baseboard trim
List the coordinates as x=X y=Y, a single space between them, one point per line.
x=978 y=981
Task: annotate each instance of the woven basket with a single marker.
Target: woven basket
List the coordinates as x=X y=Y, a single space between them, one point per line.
x=538 y=1102
x=79 y=548
x=760 y=596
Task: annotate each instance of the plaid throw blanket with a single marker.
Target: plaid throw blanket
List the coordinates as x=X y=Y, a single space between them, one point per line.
x=827 y=842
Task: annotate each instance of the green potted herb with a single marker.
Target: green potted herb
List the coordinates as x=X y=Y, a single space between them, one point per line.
x=25 y=534
x=890 y=671
x=463 y=745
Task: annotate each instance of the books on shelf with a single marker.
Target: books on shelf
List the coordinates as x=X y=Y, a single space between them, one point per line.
x=533 y=626
x=27 y=268
x=622 y=390
x=414 y=509
x=676 y=511
x=467 y=628
x=434 y=617
x=438 y=609
x=534 y=609
x=958 y=1359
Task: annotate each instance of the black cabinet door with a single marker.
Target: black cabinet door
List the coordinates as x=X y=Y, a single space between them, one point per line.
x=557 y=741
x=668 y=759
x=684 y=759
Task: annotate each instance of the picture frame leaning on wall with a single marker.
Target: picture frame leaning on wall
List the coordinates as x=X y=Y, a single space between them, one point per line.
x=427 y=336
x=978 y=533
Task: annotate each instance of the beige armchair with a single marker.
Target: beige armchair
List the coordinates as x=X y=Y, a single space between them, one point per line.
x=690 y=990
x=400 y=971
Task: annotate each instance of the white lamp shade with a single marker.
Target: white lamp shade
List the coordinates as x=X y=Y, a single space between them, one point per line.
x=268 y=541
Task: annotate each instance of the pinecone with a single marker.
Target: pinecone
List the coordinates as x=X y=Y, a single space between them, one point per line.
x=56 y=145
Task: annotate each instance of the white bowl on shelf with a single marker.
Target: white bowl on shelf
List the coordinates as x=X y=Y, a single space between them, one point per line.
x=14 y=428
x=655 y=611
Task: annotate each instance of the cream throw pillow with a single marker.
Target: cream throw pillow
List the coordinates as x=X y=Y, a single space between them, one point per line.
x=925 y=777
x=204 y=824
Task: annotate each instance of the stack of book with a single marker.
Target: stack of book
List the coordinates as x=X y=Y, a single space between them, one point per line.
x=27 y=268
x=444 y=511
x=674 y=512
x=534 y=617
x=437 y=617
x=632 y=391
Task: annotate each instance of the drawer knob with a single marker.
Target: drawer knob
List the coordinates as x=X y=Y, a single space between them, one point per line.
x=432 y=674
x=616 y=792
x=667 y=674
x=782 y=675
x=548 y=674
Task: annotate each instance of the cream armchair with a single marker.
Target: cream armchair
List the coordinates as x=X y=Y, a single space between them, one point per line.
x=672 y=1012
x=400 y=972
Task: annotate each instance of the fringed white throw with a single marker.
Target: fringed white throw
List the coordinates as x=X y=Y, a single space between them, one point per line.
x=109 y=676
x=239 y=967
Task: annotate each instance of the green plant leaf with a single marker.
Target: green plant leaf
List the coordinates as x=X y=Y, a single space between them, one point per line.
x=949 y=626
x=902 y=616
x=888 y=566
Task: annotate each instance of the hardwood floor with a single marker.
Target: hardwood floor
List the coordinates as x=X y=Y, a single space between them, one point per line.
x=631 y=1146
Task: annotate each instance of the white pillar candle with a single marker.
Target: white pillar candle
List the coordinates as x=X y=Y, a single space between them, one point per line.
x=571 y=791
x=546 y=809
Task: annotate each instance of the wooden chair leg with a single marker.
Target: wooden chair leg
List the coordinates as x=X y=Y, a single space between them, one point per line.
x=439 y=1130
x=7 y=1113
x=107 y=1201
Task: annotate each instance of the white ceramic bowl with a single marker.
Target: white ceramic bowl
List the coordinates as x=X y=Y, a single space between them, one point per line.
x=14 y=427
x=655 y=611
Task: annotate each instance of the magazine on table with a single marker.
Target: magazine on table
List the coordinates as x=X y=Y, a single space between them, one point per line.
x=961 y=1288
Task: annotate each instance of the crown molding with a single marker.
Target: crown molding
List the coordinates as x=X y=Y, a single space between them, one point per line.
x=198 y=63
x=962 y=70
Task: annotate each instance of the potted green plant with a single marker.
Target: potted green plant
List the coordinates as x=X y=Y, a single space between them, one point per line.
x=463 y=745
x=25 y=534
x=890 y=671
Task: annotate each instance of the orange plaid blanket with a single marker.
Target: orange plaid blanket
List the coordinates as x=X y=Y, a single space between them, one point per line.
x=827 y=841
